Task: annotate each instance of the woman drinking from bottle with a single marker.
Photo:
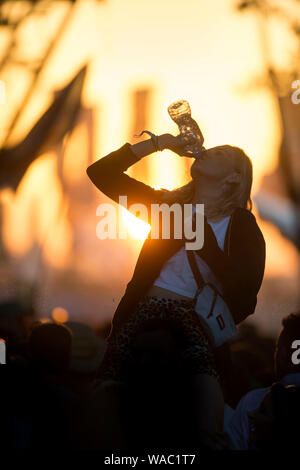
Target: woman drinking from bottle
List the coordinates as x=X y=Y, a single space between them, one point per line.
x=232 y=259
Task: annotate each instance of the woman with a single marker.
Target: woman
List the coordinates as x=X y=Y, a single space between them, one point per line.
x=162 y=286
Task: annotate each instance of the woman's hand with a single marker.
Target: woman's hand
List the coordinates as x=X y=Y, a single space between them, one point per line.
x=176 y=144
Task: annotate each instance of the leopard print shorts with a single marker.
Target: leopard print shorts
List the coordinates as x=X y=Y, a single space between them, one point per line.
x=197 y=352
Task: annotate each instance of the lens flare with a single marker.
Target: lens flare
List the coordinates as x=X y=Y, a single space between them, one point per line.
x=60 y=315
x=136 y=227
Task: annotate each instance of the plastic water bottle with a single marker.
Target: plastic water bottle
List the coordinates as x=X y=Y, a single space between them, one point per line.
x=180 y=112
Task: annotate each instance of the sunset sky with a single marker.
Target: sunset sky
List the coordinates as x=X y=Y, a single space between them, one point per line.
x=202 y=51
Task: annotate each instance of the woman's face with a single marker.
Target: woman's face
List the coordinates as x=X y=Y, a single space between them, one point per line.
x=215 y=164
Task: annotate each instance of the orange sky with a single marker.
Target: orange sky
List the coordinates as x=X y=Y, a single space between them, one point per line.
x=204 y=52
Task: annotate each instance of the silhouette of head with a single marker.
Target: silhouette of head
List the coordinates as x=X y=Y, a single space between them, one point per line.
x=50 y=346
x=275 y=422
x=289 y=332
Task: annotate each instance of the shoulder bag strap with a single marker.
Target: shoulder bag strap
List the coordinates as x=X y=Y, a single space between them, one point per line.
x=195 y=270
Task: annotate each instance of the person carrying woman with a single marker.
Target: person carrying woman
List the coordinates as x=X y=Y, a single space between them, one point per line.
x=232 y=258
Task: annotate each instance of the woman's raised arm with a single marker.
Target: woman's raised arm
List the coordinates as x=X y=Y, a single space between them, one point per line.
x=108 y=173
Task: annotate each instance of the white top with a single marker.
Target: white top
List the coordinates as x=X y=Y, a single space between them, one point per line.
x=176 y=274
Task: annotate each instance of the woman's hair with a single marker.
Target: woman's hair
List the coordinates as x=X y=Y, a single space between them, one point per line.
x=235 y=194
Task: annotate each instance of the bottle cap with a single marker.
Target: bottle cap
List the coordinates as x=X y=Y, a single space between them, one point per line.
x=178 y=109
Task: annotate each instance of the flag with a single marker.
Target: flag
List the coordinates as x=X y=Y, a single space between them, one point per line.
x=47 y=132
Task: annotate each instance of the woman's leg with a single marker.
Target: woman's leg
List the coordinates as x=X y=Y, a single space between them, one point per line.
x=199 y=363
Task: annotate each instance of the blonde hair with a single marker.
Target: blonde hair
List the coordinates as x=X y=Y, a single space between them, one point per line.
x=234 y=194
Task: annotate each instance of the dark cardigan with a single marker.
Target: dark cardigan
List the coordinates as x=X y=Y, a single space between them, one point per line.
x=240 y=267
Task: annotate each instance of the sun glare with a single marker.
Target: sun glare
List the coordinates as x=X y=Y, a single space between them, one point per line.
x=60 y=314
x=136 y=227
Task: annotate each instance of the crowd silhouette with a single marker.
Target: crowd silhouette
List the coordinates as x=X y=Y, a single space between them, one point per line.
x=53 y=399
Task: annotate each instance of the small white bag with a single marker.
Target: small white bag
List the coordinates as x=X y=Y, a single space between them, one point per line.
x=212 y=309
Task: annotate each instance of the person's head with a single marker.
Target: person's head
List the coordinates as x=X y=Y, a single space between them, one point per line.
x=155 y=348
x=274 y=424
x=289 y=332
x=14 y=318
x=87 y=353
x=224 y=174
x=50 y=346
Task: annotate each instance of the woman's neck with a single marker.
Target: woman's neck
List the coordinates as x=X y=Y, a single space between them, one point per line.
x=207 y=195
x=211 y=196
